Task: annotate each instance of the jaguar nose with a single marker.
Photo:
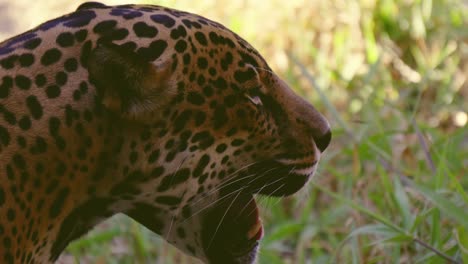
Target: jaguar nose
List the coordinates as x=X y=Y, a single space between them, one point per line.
x=322 y=141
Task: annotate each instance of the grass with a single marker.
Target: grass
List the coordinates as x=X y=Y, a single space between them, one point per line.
x=391 y=76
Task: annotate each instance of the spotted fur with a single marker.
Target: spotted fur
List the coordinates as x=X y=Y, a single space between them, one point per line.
x=156 y=113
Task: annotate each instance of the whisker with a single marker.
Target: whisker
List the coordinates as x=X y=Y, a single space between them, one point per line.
x=204 y=196
x=245 y=206
x=212 y=203
x=172 y=177
x=262 y=175
x=222 y=219
x=259 y=191
x=170 y=226
x=278 y=200
x=274 y=200
x=178 y=169
x=226 y=182
x=302 y=199
x=264 y=69
x=270 y=183
x=289 y=173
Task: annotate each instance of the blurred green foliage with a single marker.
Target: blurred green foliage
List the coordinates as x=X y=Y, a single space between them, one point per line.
x=391 y=76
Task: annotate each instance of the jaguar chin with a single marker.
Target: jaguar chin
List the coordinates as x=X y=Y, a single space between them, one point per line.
x=233 y=227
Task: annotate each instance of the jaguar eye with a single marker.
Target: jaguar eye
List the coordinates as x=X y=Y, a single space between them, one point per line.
x=254 y=99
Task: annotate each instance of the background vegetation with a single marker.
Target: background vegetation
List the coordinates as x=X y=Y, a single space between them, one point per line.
x=392 y=77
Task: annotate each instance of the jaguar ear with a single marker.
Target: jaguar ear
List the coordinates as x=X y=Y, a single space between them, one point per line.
x=127 y=84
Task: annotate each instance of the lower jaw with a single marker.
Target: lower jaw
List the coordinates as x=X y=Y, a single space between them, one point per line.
x=231 y=230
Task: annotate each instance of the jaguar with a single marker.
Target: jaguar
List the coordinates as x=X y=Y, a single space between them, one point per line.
x=159 y=114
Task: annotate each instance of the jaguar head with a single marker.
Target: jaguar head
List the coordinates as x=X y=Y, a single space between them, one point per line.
x=224 y=128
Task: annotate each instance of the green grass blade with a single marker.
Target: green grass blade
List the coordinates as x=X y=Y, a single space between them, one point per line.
x=377 y=217
x=453 y=211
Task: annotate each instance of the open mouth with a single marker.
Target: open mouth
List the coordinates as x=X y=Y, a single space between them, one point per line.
x=232 y=228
